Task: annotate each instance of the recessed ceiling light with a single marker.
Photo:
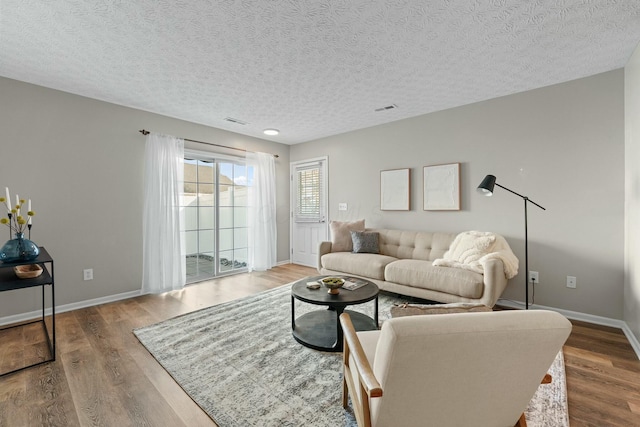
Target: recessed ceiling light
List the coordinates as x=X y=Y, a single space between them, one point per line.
x=271 y=132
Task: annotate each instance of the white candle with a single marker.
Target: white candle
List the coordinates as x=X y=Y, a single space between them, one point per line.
x=8 y=200
x=29 y=211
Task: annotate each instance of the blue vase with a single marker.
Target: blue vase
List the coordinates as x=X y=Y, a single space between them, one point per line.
x=19 y=249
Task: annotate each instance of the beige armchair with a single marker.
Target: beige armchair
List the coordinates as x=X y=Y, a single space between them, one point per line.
x=470 y=369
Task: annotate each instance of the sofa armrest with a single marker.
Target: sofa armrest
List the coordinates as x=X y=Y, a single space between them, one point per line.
x=495 y=281
x=323 y=248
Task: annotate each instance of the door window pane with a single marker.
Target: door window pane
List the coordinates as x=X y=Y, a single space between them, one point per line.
x=206 y=195
x=190 y=172
x=226 y=260
x=206 y=218
x=205 y=172
x=206 y=242
x=239 y=174
x=186 y=199
x=240 y=216
x=226 y=195
x=240 y=238
x=226 y=217
x=190 y=218
x=240 y=195
x=240 y=258
x=206 y=264
x=226 y=239
x=226 y=172
x=191 y=242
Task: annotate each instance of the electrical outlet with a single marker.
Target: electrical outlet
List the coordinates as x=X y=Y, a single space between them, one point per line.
x=342 y=206
x=533 y=277
x=571 y=282
x=88 y=274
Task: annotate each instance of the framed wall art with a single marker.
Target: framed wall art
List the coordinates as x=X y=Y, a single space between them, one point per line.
x=441 y=187
x=395 y=190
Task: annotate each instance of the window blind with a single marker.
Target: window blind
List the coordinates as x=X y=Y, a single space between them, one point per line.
x=309 y=193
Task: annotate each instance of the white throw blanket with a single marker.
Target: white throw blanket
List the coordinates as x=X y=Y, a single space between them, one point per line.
x=471 y=249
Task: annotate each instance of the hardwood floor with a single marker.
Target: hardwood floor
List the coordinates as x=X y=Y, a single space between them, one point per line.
x=104 y=377
x=603 y=377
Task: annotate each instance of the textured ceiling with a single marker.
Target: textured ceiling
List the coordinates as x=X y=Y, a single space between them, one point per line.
x=309 y=68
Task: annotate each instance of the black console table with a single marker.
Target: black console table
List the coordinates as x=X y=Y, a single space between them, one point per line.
x=9 y=281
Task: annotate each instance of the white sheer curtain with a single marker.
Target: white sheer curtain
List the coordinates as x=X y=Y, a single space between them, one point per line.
x=262 y=212
x=163 y=264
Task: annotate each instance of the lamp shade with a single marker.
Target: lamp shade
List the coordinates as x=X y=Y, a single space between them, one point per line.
x=487 y=184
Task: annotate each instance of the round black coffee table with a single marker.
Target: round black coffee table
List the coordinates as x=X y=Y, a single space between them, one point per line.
x=320 y=329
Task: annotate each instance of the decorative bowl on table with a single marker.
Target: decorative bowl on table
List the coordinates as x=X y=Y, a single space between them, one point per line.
x=333 y=284
x=27 y=271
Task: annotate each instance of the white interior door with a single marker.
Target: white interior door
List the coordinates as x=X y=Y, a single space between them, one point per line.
x=309 y=207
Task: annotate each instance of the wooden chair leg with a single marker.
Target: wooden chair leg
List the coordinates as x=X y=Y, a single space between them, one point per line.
x=345 y=372
x=345 y=394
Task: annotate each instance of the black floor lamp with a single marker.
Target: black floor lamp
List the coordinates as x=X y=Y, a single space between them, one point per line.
x=486 y=188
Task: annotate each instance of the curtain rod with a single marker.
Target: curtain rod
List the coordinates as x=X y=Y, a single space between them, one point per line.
x=146 y=132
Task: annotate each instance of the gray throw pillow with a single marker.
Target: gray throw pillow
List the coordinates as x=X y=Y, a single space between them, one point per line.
x=365 y=242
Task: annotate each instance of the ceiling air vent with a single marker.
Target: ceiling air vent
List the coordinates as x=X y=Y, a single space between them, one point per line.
x=238 y=121
x=388 y=107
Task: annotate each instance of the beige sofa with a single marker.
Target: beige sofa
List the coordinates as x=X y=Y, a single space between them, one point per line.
x=404 y=265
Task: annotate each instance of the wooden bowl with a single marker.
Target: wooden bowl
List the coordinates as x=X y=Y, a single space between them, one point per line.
x=333 y=284
x=27 y=271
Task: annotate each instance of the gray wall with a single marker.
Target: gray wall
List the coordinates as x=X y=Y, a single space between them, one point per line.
x=562 y=146
x=632 y=157
x=80 y=161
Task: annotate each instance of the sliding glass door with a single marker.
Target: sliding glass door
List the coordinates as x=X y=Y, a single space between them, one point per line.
x=215 y=216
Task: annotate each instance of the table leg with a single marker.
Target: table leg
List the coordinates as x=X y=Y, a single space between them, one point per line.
x=375 y=315
x=339 y=333
x=293 y=313
x=53 y=315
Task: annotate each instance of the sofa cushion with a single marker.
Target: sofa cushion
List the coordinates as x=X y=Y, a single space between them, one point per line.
x=365 y=265
x=422 y=274
x=365 y=242
x=341 y=234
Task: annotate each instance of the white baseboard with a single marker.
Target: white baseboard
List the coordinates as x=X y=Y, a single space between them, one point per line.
x=632 y=338
x=285 y=262
x=67 y=307
x=589 y=318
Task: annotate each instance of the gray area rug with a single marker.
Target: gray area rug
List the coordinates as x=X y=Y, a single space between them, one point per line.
x=240 y=364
